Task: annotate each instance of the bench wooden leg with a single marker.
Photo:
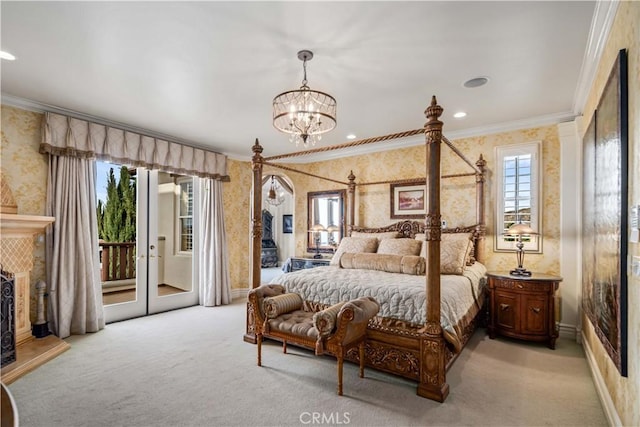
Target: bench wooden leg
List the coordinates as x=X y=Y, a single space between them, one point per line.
x=340 y=361
x=259 y=340
x=284 y=346
x=361 y=350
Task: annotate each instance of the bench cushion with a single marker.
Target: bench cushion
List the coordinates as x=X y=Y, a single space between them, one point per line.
x=297 y=322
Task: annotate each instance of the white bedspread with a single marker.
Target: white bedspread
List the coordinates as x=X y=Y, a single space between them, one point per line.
x=401 y=296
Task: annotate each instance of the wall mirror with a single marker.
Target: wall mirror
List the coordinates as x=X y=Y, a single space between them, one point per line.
x=325 y=220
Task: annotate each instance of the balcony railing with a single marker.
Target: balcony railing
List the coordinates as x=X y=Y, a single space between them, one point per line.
x=118 y=261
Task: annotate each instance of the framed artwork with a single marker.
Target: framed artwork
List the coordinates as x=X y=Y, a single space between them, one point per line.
x=408 y=200
x=604 y=216
x=287 y=224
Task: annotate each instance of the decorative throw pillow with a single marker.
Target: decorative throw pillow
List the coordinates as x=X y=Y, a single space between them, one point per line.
x=399 y=247
x=455 y=251
x=407 y=264
x=325 y=320
x=280 y=304
x=379 y=236
x=354 y=245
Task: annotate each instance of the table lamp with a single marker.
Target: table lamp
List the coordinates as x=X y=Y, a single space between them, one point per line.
x=520 y=230
x=316 y=230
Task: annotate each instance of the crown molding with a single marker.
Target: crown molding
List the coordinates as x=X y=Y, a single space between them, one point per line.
x=601 y=24
x=40 y=107
x=546 y=120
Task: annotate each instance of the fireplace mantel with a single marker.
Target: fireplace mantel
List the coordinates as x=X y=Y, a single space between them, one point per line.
x=13 y=225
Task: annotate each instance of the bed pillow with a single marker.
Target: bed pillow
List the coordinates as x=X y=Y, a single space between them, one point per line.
x=407 y=264
x=379 y=236
x=354 y=245
x=399 y=247
x=455 y=251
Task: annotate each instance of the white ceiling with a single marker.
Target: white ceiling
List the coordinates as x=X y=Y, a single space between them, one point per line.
x=206 y=72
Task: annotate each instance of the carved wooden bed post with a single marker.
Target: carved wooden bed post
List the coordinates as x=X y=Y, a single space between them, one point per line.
x=256 y=214
x=351 y=203
x=481 y=226
x=256 y=233
x=433 y=383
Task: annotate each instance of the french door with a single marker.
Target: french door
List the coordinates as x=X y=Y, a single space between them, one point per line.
x=166 y=248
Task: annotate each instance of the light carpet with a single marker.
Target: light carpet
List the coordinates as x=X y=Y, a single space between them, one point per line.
x=190 y=367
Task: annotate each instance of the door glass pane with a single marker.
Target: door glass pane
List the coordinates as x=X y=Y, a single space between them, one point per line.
x=116 y=215
x=175 y=234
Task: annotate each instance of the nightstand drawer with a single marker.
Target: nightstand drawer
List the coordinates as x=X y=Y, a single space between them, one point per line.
x=535 y=315
x=519 y=285
x=507 y=307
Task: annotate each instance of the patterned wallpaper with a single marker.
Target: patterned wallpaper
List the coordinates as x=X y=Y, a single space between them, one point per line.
x=625 y=392
x=373 y=202
x=25 y=171
x=237 y=199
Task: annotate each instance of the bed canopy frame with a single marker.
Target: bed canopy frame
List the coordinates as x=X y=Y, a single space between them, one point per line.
x=434 y=357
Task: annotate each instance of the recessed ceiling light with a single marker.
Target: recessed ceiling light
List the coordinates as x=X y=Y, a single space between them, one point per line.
x=459 y=114
x=351 y=136
x=476 y=82
x=7 y=56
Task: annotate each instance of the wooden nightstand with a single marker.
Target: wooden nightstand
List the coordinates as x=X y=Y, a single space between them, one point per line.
x=523 y=307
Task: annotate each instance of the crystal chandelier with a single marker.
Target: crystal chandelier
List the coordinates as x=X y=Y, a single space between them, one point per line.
x=304 y=114
x=274 y=198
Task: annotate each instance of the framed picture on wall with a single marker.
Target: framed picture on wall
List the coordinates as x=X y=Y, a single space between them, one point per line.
x=604 y=216
x=287 y=224
x=408 y=200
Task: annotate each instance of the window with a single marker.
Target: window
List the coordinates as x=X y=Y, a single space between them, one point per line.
x=518 y=194
x=185 y=215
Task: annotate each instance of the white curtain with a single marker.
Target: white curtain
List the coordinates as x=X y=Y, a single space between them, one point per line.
x=75 y=297
x=215 y=287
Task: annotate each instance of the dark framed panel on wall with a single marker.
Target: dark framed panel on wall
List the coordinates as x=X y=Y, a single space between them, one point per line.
x=605 y=216
x=287 y=224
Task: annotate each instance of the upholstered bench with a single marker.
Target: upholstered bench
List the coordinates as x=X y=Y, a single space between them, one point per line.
x=333 y=330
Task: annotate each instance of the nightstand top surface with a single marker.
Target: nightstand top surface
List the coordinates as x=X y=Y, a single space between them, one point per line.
x=534 y=276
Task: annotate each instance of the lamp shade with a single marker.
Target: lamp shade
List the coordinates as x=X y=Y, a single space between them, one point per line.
x=520 y=229
x=317 y=228
x=333 y=228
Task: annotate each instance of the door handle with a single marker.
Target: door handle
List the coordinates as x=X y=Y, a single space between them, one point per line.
x=152 y=247
x=504 y=307
x=536 y=310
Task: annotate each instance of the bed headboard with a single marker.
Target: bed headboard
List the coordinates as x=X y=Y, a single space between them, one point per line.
x=409 y=229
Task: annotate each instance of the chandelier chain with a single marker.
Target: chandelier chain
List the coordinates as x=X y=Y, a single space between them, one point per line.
x=304 y=79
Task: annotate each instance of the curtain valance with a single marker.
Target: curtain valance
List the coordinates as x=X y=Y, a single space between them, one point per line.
x=68 y=136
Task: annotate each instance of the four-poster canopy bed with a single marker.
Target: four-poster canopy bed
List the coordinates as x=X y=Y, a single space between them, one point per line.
x=422 y=350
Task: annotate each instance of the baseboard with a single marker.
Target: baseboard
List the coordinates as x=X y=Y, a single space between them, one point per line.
x=239 y=293
x=601 y=388
x=568 y=331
